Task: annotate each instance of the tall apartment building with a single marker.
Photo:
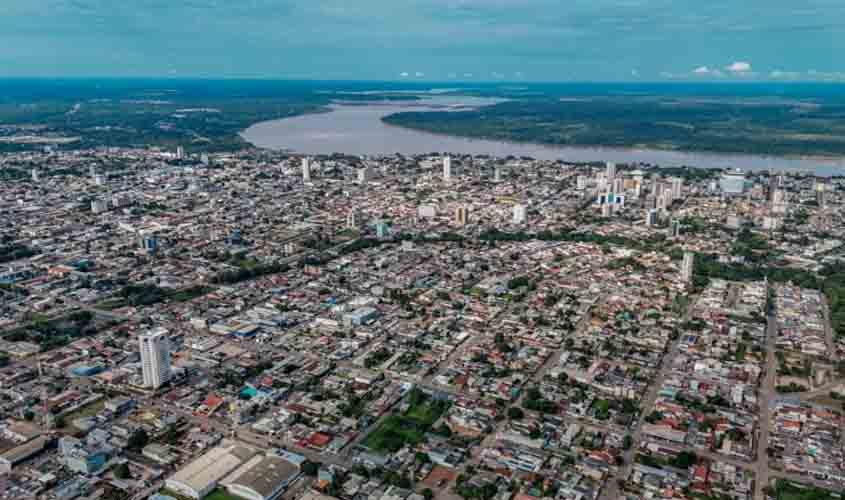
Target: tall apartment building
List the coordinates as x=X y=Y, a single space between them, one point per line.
x=155 y=357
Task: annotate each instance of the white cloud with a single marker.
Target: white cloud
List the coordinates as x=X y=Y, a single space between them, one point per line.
x=739 y=67
x=707 y=71
x=419 y=74
x=635 y=73
x=784 y=75
x=404 y=74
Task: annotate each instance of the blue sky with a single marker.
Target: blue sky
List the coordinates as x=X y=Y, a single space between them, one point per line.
x=552 y=40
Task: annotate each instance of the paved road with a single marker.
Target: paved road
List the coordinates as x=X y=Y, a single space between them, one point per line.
x=94 y=310
x=767 y=390
x=828 y=330
x=612 y=490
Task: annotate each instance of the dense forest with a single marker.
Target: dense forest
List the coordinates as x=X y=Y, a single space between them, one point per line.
x=783 y=127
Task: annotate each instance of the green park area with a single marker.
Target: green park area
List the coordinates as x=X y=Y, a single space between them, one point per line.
x=221 y=494
x=787 y=490
x=410 y=427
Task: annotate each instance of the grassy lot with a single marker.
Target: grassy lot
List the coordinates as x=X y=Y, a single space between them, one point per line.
x=152 y=295
x=787 y=490
x=394 y=433
x=88 y=410
x=398 y=430
x=221 y=494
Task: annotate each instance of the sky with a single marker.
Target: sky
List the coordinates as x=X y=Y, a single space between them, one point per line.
x=432 y=40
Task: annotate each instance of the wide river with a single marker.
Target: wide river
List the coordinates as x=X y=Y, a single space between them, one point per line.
x=357 y=129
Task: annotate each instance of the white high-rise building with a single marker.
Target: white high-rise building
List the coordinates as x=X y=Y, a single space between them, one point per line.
x=155 y=357
x=426 y=211
x=821 y=199
x=92 y=171
x=520 y=214
x=677 y=188
x=365 y=174
x=611 y=171
x=180 y=153
x=447 y=168
x=461 y=215
x=779 y=202
x=497 y=174
x=352 y=219
x=618 y=186
x=581 y=183
x=306 y=170
x=602 y=185
x=651 y=218
x=99 y=206
x=688 y=267
x=732 y=182
x=34 y=174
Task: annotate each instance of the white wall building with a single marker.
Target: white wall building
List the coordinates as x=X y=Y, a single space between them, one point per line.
x=155 y=357
x=688 y=267
x=520 y=214
x=306 y=170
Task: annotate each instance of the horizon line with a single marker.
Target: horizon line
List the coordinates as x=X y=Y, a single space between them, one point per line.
x=415 y=81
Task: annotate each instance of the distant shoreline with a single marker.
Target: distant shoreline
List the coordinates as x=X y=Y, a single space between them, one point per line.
x=632 y=149
x=292 y=134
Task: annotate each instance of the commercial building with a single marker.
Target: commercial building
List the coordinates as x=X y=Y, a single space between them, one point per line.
x=352 y=219
x=149 y=244
x=14 y=456
x=84 y=458
x=447 y=168
x=610 y=171
x=99 y=206
x=677 y=188
x=306 y=170
x=519 y=214
x=732 y=182
x=461 y=215
x=651 y=217
x=365 y=174
x=155 y=357
x=382 y=229
x=263 y=477
x=426 y=211
x=688 y=267
x=201 y=476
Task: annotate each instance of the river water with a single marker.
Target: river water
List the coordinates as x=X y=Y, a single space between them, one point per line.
x=357 y=129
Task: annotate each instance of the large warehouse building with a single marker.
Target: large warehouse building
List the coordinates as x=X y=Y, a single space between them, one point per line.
x=243 y=471
x=261 y=478
x=201 y=477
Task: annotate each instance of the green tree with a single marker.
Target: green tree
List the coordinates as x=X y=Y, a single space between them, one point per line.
x=121 y=471
x=138 y=440
x=515 y=413
x=310 y=468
